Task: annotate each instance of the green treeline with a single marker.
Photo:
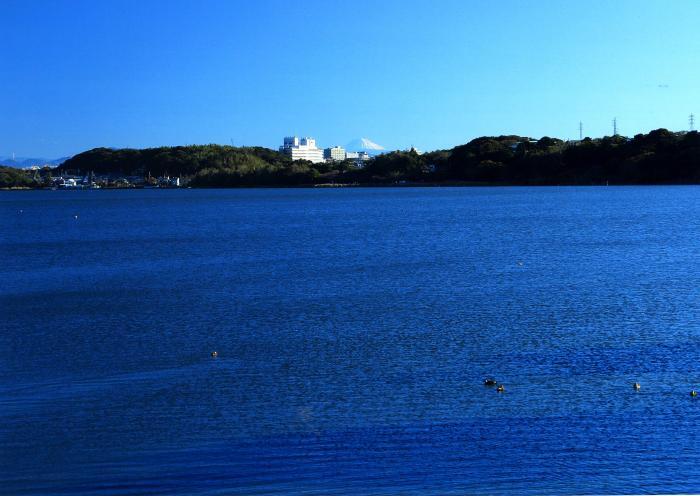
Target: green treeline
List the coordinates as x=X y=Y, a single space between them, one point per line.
x=659 y=157
x=203 y=165
x=15 y=178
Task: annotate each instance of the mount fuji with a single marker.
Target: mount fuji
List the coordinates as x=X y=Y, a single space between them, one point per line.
x=365 y=145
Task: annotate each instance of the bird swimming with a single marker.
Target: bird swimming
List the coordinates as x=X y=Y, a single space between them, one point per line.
x=500 y=388
x=636 y=386
x=490 y=382
x=214 y=354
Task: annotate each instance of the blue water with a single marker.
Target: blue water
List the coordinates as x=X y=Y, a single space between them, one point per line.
x=354 y=328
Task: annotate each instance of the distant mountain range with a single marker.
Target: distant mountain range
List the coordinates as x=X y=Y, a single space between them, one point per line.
x=23 y=162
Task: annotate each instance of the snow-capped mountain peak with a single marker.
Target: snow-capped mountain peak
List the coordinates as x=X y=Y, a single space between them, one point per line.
x=364 y=144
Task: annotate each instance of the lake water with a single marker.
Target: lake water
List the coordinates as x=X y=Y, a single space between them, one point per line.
x=353 y=328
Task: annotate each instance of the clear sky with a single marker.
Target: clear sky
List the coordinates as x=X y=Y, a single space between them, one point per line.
x=80 y=74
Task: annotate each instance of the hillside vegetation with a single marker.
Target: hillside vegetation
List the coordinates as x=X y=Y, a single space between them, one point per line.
x=15 y=178
x=659 y=157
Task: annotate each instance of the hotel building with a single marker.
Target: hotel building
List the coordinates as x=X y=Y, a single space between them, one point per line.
x=302 y=149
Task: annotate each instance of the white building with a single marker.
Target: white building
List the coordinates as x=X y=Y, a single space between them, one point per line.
x=67 y=183
x=302 y=149
x=358 y=157
x=337 y=153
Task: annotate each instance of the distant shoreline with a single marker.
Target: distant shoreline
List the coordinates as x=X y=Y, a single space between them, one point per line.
x=366 y=185
x=658 y=157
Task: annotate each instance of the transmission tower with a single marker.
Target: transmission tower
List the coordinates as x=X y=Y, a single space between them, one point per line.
x=691 y=121
x=580 y=130
x=615 y=126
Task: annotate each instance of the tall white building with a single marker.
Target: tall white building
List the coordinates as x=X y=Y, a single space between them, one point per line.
x=302 y=149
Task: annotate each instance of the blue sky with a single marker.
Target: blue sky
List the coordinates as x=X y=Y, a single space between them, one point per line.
x=80 y=74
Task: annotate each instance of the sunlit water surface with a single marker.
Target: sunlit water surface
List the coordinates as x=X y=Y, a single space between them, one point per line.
x=354 y=328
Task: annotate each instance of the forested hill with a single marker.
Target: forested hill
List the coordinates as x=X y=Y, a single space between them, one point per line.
x=658 y=157
x=15 y=178
x=196 y=162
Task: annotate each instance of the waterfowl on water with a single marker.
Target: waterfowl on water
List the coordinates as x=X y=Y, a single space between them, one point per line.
x=490 y=382
x=636 y=386
x=693 y=393
x=500 y=388
x=214 y=354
